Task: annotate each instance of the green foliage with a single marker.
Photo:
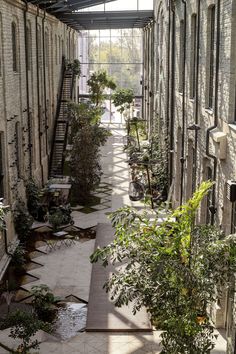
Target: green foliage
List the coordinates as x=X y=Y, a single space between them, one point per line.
x=173 y=269
x=125 y=48
x=33 y=194
x=87 y=137
x=18 y=256
x=75 y=66
x=3 y=211
x=123 y=98
x=22 y=221
x=24 y=326
x=60 y=216
x=43 y=301
x=98 y=82
x=83 y=114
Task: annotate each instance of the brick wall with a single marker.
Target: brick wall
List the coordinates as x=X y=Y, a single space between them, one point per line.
x=48 y=40
x=184 y=139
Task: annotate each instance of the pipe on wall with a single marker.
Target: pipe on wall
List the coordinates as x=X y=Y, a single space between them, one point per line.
x=182 y=159
x=27 y=88
x=211 y=156
x=38 y=93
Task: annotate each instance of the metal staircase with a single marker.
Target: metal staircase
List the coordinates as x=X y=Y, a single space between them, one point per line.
x=61 y=124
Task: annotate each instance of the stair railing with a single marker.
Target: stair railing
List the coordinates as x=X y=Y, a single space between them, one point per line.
x=63 y=68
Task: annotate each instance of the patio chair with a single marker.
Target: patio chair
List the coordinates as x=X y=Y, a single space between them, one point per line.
x=69 y=240
x=51 y=245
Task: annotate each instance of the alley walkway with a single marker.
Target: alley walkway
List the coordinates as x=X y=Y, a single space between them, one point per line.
x=68 y=270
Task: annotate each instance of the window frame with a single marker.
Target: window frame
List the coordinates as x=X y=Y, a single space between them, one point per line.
x=15 y=54
x=192 y=76
x=211 y=57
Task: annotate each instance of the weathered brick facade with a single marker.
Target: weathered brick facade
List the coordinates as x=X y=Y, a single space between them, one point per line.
x=29 y=90
x=189 y=82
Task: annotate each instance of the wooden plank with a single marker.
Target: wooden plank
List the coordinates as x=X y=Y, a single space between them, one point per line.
x=102 y=314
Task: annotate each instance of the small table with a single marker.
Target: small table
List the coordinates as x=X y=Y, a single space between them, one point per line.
x=60 y=235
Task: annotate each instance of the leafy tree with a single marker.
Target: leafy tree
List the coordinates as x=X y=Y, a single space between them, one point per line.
x=22 y=221
x=173 y=269
x=24 y=326
x=98 y=82
x=123 y=98
x=87 y=136
x=43 y=301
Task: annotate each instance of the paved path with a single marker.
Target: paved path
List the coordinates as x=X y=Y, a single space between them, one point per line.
x=68 y=270
x=102 y=314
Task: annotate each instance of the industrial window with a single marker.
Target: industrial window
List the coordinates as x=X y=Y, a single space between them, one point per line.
x=0 y=44
x=39 y=49
x=211 y=56
x=193 y=55
x=56 y=55
x=18 y=149
x=47 y=49
x=1 y=166
x=233 y=219
x=14 y=47
x=28 y=48
x=181 y=55
x=235 y=104
x=59 y=50
x=209 y=197
x=62 y=48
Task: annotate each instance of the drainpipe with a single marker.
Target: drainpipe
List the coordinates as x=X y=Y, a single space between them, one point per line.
x=172 y=98
x=27 y=89
x=44 y=82
x=182 y=159
x=38 y=93
x=212 y=207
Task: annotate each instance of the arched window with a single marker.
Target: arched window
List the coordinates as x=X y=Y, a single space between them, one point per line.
x=28 y=47
x=56 y=55
x=59 y=50
x=39 y=49
x=1 y=165
x=0 y=44
x=18 y=150
x=47 y=59
x=181 y=55
x=14 y=47
x=193 y=55
x=210 y=57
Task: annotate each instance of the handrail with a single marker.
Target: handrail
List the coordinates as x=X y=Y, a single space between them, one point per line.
x=67 y=120
x=57 y=112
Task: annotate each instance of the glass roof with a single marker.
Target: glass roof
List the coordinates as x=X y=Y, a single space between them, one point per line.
x=99 y=14
x=121 y=5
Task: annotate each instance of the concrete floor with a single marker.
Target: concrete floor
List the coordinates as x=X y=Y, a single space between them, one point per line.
x=68 y=270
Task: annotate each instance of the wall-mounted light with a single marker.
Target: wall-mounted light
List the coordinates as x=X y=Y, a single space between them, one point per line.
x=194 y=126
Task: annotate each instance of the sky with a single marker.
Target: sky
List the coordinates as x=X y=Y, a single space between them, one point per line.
x=120 y=5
